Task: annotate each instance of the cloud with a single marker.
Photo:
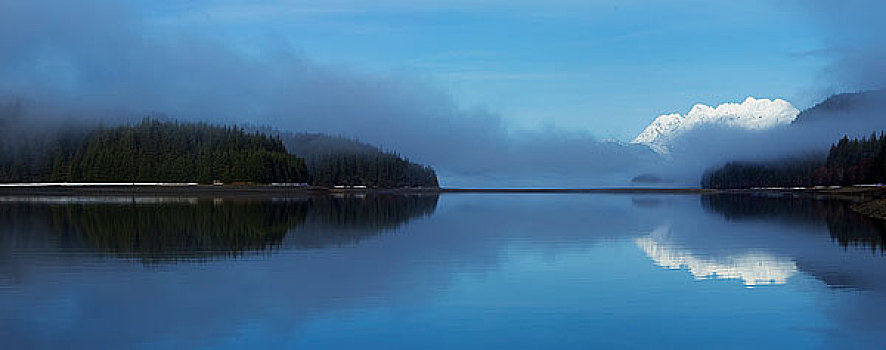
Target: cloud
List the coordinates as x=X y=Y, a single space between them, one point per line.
x=239 y=11
x=813 y=132
x=102 y=60
x=854 y=37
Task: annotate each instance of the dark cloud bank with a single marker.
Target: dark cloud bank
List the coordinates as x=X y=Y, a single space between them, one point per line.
x=98 y=60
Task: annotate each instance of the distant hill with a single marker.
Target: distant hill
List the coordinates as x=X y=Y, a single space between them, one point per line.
x=847 y=107
x=315 y=145
x=336 y=160
x=649 y=179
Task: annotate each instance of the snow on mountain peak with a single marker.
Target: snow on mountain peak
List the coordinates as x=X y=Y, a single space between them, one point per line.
x=752 y=114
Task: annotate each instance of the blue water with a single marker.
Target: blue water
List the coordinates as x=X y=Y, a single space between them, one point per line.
x=454 y=271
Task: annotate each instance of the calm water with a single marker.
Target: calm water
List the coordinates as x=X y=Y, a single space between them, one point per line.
x=454 y=271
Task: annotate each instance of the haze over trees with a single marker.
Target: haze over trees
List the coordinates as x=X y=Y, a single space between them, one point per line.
x=849 y=162
x=337 y=160
x=852 y=160
x=333 y=160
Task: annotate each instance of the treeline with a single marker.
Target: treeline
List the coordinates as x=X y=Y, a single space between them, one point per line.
x=378 y=170
x=849 y=162
x=152 y=151
x=785 y=173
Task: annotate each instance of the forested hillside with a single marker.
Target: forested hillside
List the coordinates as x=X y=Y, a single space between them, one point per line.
x=335 y=160
x=151 y=151
x=849 y=162
x=855 y=107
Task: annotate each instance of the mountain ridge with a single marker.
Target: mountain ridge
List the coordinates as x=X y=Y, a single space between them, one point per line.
x=750 y=114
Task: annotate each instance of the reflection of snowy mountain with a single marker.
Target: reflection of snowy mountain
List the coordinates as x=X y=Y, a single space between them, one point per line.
x=753 y=268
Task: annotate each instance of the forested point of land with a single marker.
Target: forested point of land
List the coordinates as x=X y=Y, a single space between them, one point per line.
x=849 y=162
x=165 y=151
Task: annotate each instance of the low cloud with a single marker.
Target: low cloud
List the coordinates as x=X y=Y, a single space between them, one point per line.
x=854 y=40
x=811 y=135
x=100 y=60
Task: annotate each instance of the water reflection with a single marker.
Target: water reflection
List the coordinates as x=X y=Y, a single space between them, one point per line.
x=491 y=271
x=343 y=219
x=846 y=227
x=752 y=268
x=852 y=258
x=171 y=229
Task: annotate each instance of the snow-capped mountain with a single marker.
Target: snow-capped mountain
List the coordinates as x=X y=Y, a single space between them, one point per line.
x=752 y=114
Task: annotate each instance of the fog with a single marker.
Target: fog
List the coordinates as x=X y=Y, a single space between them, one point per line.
x=810 y=136
x=853 y=39
x=98 y=60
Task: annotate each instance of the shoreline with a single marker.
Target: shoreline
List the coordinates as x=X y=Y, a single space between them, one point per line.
x=866 y=200
x=191 y=189
x=857 y=192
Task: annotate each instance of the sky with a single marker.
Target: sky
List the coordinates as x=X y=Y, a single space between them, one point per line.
x=490 y=93
x=605 y=67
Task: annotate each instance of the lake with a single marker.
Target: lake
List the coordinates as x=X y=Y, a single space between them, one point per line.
x=448 y=271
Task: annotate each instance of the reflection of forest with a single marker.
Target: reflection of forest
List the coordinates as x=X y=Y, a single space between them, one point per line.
x=846 y=226
x=170 y=230
x=338 y=220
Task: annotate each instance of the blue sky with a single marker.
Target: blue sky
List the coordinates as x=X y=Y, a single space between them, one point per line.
x=605 y=67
